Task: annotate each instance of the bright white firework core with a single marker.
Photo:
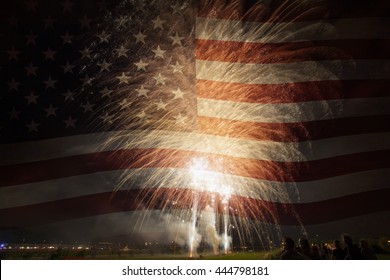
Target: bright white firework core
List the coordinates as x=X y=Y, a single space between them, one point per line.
x=205 y=180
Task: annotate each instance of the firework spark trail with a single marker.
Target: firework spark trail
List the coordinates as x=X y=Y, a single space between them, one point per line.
x=192 y=240
x=207 y=69
x=287 y=104
x=209 y=178
x=211 y=184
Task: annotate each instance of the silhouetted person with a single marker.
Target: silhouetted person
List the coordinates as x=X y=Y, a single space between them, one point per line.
x=304 y=249
x=324 y=252
x=367 y=253
x=315 y=252
x=289 y=252
x=338 y=253
x=352 y=250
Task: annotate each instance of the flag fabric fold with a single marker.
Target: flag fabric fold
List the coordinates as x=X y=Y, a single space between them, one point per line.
x=106 y=105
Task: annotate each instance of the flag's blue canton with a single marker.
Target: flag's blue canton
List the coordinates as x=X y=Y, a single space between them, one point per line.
x=85 y=66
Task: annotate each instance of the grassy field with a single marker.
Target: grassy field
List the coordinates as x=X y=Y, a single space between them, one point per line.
x=379 y=246
x=269 y=255
x=232 y=256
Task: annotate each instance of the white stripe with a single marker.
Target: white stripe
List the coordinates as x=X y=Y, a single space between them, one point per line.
x=346 y=145
x=302 y=192
x=268 y=32
x=281 y=73
x=293 y=112
x=240 y=148
x=69 y=187
x=373 y=225
x=148 y=226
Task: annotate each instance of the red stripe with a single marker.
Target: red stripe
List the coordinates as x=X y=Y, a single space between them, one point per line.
x=165 y=158
x=294 y=132
x=265 y=211
x=286 y=11
x=292 y=92
x=243 y=52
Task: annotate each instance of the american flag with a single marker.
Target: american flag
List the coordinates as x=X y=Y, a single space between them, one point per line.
x=105 y=104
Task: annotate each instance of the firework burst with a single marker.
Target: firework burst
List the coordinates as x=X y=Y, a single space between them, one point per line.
x=192 y=159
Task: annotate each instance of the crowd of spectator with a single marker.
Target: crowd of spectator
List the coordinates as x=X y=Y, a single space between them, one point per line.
x=345 y=250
